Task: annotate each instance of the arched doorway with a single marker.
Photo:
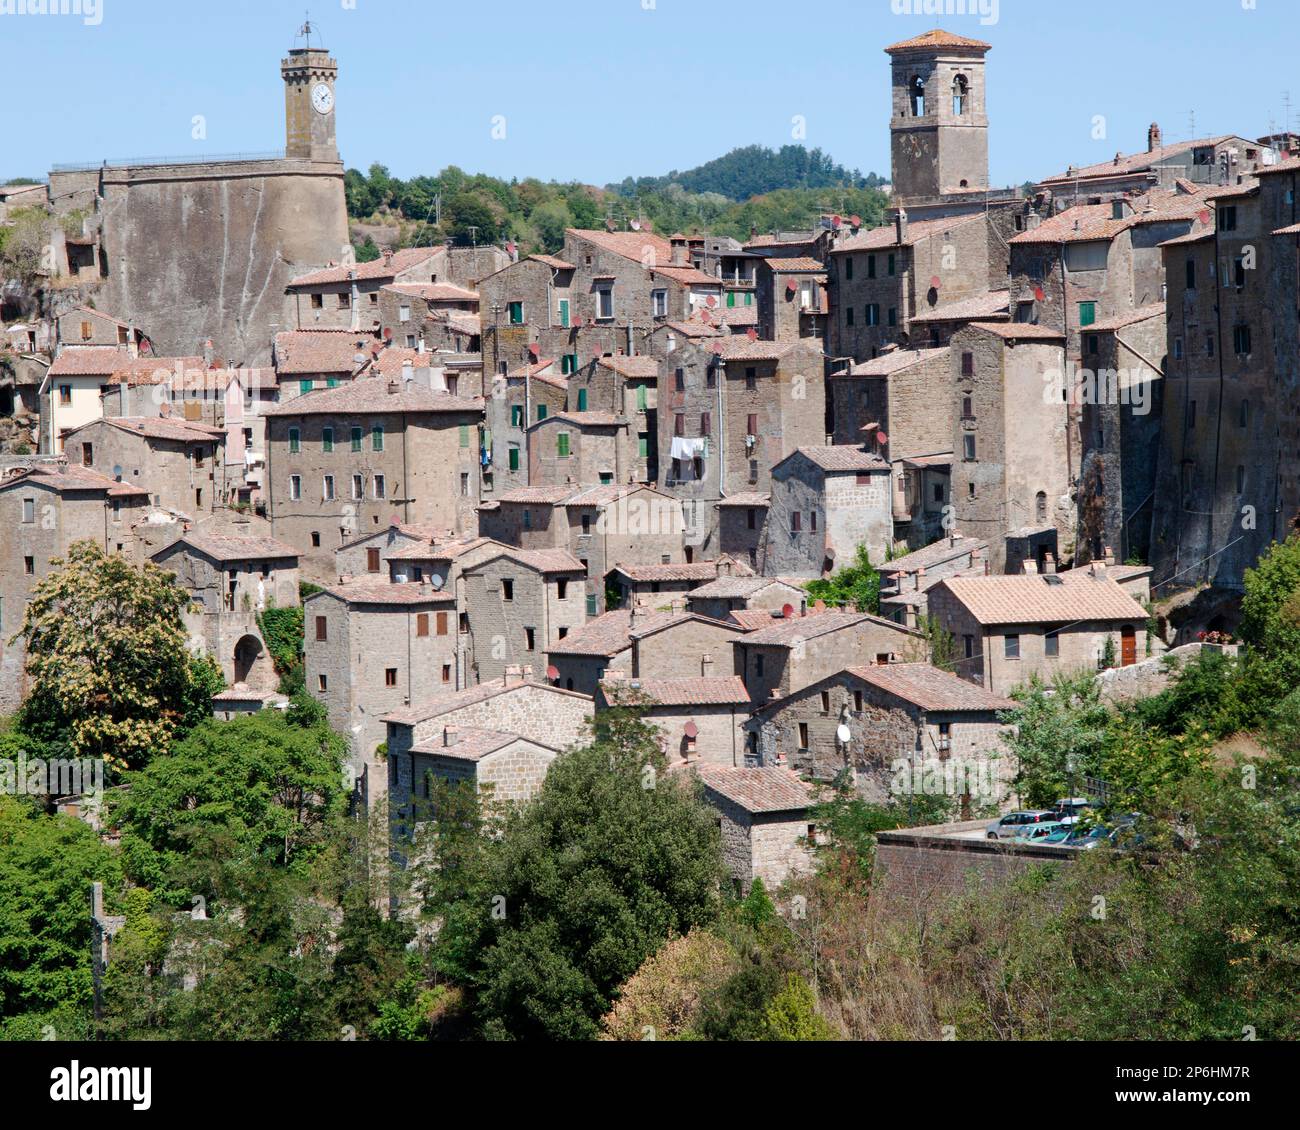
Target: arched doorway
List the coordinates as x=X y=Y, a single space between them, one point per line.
x=253 y=666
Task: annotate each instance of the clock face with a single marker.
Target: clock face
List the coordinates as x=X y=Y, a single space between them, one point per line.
x=322 y=98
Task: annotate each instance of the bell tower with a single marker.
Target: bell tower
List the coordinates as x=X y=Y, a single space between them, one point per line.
x=309 y=77
x=939 y=130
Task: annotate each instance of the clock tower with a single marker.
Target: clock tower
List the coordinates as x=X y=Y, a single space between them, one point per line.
x=309 y=77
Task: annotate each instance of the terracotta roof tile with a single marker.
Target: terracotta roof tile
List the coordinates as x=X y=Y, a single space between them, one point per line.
x=472 y=744
x=221 y=547
x=638 y=366
x=841 y=457
x=445 y=704
x=931 y=689
x=542 y=560
x=701 y=691
x=756 y=790
x=161 y=428
x=896 y=361
x=938 y=38
x=308 y=352
x=885 y=237
x=746 y=499
x=1059 y=598
x=934 y=554
x=366 y=591
x=733 y=588
x=609 y=633
x=987 y=305
x=382 y=268
x=1132 y=162
x=796 y=264
x=89 y=361
x=696 y=571
x=634 y=245
x=70 y=478
x=788 y=632
x=371 y=394
x=552 y=261
x=434 y=292
x=1018 y=331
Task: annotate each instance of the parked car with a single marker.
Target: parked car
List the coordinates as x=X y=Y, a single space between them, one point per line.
x=1075 y=837
x=1012 y=822
x=1041 y=833
x=1069 y=809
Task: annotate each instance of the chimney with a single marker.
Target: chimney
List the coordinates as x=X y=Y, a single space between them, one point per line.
x=953 y=535
x=1049 y=564
x=753 y=232
x=514 y=674
x=450 y=736
x=1098 y=570
x=394 y=387
x=726 y=567
x=132 y=349
x=706 y=666
x=1028 y=567
x=1153 y=138
x=1109 y=556
x=408 y=370
x=679 y=252
x=678 y=605
x=900 y=225
x=918 y=575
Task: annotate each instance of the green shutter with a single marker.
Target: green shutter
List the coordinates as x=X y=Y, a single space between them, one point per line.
x=514 y=459
x=1087 y=313
x=731 y=298
x=643 y=445
x=356 y=439
x=582 y=400
x=464 y=435
x=641 y=398
x=305 y=386
x=327 y=439
x=541 y=411
x=377 y=438
x=516 y=415
x=516 y=313
x=332 y=382
x=749 y=298
x=591 y=604
x=562 y=445
x=564 y=313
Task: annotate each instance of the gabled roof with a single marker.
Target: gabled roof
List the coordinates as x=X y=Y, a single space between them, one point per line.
x=471 y=696
x=89 y=361
x=1128 y=318
x=542 y=560
x=385 y=267
x=305 y=352
x=634 y=245
x=372 y=394
x=552 y=261
x=434 y=292
x=63 y=479
x=726 y=690
x=734 y=588
x=787 y=632
x=222 y=548
x=756 y=790
x=745 y=499
x=608 y=634
x=895 y=361
x=839 y=458
x=678 y=571
x=990 y=304
x=936 y=553
x=1123 y=164
x=367 y=591
x=796 y=264
x=472 y=744
x=638 y=366
x=886 y=236
x=168 y=428
x=536 y=495
x=1059 y=598
x=1017 y=331
x=582 y=420
x=931 y=689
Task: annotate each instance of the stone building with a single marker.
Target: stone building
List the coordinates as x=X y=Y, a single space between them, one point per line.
x=907 y=397
x=519 y=398
x=534 y=713
x=763 y=815
x=718 y=599
x=506 y=766
x=347 y=297
x=407 y=311
x=84 y=325
x=742 y=528
x=1013 y=465
x=902 y=712
x=344 y=460
x=240 y=701
x=231 y=581
x=794 y=651
x=579 y=449
x=1009 y=629
x=371 y=648
x=905 y=581
x=519 y=603
x=660 y=583
x=179 y=462
x=602 y=294
x=1229 y=482
x=320 y=358
x=43 y=511
x=600 y=526
x=826 y=502
x=699 y=719
x=793 y=302
x=227 y=236
x=641 y=643
x=71 y=393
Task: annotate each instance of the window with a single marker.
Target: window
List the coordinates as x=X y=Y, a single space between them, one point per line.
x=659 y=302
x=356 y=438
x=315 y=539
x=848 y=315
x=377 y=437
x=381 y=487
x=446 y=672
x=643 y=445
x=322 y=630
x=564 y=313
x=65 y=395
x=530 y=639
x=751 y=424
x=891 y=318
x=1227 y=217
x=679 y=424
x=29 y=566
x=970 y=646
x=390 y=676
x=796 y=521
x=295 y=441
x=753 y=470
x=295 y=487
x=345 y=301
x=1241 y=340
x=322 y=683
x=513 y=457
x=1191 y=415
x=1209 y=345
x=1241 y=479
x=528 y=519
x=1243 y=414
x=706 y=423
x=358 y=487
x=826 y=702
x=889 y=267
x=968 y=448
x=1094 y=343
x=1178 y=349
x=516 y=415
x=642 y=398
x=751 y=519
x=507 y=589
x=812 y=520
x=327 y=488
x=442 y=623
x=372 y=560
x=758 y=665
x=305 y=386
x=1040 y=504
x=871 y=266
x=848 y=268
x=464 y=435
x=515 y=312
x=803 y=735
x=605 y=301
x=582 y=400
x=968 y=364
x=403 y=313
x=327 y=440
x=29 y=510
x=1052 y=645
x=542 y=411
x=1011 y=647
x=873 y=314
x=1190 y=274
x=959 y=95
x=711 y=377
x=1087 y=313
x=562 y=445
x=967 y=407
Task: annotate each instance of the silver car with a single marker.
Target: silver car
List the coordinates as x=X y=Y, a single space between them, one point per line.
x=1013 y=823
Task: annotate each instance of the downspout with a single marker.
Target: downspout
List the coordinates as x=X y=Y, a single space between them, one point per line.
x=1218 y=429
x=406 y=482
x=722 y=431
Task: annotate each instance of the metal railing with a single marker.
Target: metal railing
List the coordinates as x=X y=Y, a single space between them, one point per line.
x=190 y=159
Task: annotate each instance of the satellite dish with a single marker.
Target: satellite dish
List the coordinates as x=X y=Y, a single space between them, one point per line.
x=843 y=734
x=117 y=472
x=752 y=334
x=552 y=672
x=1038 y=293
x=935 y=281
x=882 y=438
x=691 y=730
x=787 y=610
x=856 y=221
x=388 y=334
x=791 y=286
x=711 y=301
x=437 y=582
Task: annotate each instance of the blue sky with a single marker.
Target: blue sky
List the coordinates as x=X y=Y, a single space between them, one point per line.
x=596 y=90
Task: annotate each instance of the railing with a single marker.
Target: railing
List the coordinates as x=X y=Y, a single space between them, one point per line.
x=189 y=159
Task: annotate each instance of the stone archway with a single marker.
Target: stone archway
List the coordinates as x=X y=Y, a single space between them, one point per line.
x=253 y=666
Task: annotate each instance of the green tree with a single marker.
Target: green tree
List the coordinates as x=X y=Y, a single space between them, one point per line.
x=108 y=655
x=792 y=1013
x=1058 y=737
x=856 y=587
